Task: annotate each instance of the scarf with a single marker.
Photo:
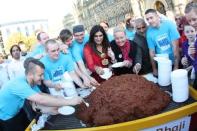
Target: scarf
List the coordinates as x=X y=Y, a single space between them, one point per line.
x=125 y=50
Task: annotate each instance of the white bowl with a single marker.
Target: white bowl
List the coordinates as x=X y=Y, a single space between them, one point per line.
x=118 y=64
x=66 y=110
x=107 y=73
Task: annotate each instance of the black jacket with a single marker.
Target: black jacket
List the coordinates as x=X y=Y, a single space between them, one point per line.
x=119 y=57
x=143 y=52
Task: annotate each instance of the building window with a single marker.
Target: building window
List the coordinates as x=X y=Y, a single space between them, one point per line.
x=26 y=31
x=160 y=7
x=41 y=27
x=33 y=28
x=18 y=29
x=8 y=32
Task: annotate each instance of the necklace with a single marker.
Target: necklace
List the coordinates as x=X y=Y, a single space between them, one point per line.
x=104 y=61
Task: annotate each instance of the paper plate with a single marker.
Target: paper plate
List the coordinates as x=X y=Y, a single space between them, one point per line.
x=66 y=110
x=107 y=73
x=150 y=77
x=84 y=92
x=118 y=64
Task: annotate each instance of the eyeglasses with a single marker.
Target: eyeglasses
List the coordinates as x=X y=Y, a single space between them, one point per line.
x=143 y=27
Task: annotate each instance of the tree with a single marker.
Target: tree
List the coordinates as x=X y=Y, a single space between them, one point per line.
x=14 y=38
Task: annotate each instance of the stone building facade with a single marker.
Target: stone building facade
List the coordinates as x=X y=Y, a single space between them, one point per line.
x=92 y=12
x=68 y=21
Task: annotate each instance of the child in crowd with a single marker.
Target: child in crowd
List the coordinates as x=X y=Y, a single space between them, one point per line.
x=189 y=49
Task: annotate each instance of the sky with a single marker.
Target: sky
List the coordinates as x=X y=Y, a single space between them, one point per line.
x=19 y=10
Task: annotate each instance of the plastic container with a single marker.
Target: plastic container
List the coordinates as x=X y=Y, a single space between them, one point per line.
x=164 y=70
x=70 y=89
x=56 y=93
x=180 y=86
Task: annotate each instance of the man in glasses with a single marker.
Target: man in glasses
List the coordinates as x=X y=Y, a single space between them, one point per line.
x=162 y=37
x=140 y=40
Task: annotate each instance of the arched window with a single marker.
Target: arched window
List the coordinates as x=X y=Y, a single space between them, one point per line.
x=160 y=7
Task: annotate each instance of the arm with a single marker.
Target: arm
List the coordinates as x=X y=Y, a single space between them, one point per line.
x=111 y=55
x=48 y=100
x=152 y=55
x=83 y=76
x=83 y=70
x=138 y=59
x=76 y=79
x=176 y=54
x=50 y=84
x=191 y=52
x=138 y=55
x=174 y=36
x=10 y=71
x=90 y=61
x=88 y=58
x=152 y=47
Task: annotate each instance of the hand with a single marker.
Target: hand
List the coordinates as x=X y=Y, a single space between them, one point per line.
x=155 y=72
x=99 y=70
x=87 y=82
x=184 y=61
x=127 y=63
x=137 y=68
x=64 y=48
x=39 y=56
x=191 y=51
x=57 y=86
x=94 y=82
x=75 y=100
x=110 y=53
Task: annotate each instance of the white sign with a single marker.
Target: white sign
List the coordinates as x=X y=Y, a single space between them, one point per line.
x=177 y=125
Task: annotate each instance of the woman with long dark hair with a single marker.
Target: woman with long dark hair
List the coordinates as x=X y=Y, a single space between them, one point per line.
x=97 y=52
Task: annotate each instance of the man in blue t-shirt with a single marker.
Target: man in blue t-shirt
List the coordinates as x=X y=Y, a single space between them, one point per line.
x=14 y=93
x=39 y=51
x=80 y=39
x=66 y=46
x=162 y=38
x=56 y=64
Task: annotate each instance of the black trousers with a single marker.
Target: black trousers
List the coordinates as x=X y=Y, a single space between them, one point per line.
x=17 y=123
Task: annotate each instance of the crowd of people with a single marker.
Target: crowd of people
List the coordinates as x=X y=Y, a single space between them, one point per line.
x=84 y=56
